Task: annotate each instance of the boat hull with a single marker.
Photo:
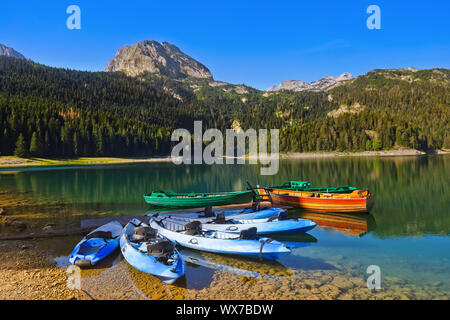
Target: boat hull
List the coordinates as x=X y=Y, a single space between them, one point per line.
x=247 y=213
x=201 y=200
x=322 y=204
x=263 y=226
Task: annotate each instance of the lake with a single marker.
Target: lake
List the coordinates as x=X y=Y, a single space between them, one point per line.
x=406 y=235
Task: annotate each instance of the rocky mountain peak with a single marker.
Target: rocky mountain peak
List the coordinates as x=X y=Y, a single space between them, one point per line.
x=162 y=58
x=10 y=52
x=318 y=85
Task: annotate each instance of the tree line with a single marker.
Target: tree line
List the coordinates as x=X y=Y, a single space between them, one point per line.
x=51 y=112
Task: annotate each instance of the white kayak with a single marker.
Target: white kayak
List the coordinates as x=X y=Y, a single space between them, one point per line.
x=264 y=226
x=146 y=251
x=246 y=243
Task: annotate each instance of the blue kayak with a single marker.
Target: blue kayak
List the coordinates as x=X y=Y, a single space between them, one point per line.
x=143 y=249
x=247 y=213
x=97 y=245
x=263 y=226
x=246 y=243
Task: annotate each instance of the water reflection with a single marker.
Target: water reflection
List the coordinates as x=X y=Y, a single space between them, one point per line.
x=246 y=267
x=351 y=224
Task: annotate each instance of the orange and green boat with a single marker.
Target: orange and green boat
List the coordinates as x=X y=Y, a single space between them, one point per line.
x=301 y=195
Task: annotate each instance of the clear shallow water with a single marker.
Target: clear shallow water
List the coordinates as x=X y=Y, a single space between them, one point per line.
x=406 y=234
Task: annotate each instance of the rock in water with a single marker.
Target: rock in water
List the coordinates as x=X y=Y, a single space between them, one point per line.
x=18 y=226
x=10 y=52
x=162 y=58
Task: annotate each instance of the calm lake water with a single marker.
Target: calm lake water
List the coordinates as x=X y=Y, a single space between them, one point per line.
x=406 y=234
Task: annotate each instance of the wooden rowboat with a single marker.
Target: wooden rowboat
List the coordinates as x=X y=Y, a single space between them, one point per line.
x=358 y=201
x=169 y=198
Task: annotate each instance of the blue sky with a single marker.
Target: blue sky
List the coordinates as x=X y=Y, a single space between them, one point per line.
x=258 y=43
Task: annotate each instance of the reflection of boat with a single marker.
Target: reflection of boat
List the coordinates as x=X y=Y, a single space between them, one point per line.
x=151 y=287
x=295 y=239
x=354 y=224
x=169 y=198
x=244 y=267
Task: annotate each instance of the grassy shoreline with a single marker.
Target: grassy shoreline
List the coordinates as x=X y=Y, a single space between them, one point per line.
x=15 y=162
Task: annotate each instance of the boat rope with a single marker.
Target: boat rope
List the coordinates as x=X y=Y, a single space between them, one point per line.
x=261 y=248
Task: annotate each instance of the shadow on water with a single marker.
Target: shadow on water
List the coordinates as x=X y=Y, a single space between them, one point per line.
x=243 y=266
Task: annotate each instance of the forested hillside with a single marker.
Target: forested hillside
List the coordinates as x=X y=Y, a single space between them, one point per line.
x=54 y=112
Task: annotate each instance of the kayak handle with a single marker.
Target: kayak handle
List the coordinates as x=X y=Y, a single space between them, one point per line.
x=232 y=228
x=193 y=241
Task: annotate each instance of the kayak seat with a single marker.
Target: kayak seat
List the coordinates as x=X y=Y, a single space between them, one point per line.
x=193 y=228
x=100 y=234
x=208 y=212
x=279 y=217
x=220 y=219
x=88 y=250
x=144 y=233
x=160 y=248
x=248 y=234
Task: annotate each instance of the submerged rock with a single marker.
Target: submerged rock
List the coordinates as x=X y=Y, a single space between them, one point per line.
x=18 y=225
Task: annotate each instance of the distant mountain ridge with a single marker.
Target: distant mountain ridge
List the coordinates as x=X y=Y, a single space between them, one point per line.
x=161 y=58
x=10 y=52
x=318 y=85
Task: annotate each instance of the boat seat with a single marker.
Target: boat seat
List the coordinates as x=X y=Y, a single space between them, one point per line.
x=248 y=234
x=220 y=219
x=208 y=212
x=193 y=228
x=143 y=233
x=88 y=250
x=160 y=248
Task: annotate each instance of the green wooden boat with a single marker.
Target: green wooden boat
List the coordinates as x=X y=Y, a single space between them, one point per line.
x=306 y=186
x=169 y=198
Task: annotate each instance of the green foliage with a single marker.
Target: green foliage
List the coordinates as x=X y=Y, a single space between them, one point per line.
x=70 y=113
x=21 y=147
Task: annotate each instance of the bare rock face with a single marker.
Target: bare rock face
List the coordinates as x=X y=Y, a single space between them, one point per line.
x=318 y=85
x=10 y=52
x=162 y=58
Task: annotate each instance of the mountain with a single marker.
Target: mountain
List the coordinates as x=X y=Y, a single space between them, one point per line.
x=57 y=112
x=318 y=85
x=160 y=58
x=10 y=52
